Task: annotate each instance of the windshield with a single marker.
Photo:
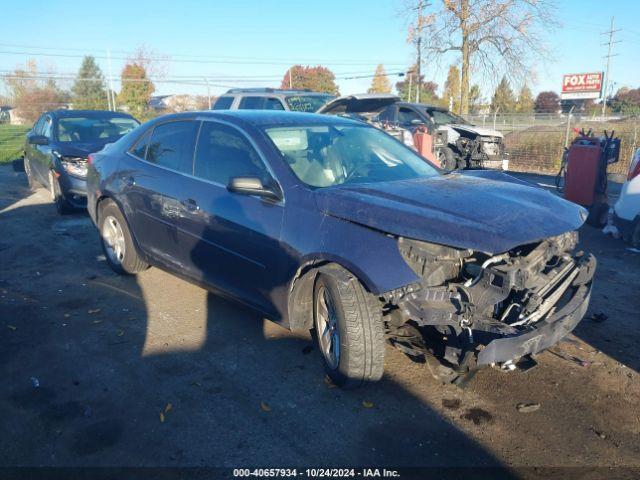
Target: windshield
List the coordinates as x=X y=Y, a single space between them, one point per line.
x=94 y=129
x=323 y=156
x=307 y=103
x=443 y=117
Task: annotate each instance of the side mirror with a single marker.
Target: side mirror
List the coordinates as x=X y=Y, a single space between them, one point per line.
x=38 y=140
x=253 y=186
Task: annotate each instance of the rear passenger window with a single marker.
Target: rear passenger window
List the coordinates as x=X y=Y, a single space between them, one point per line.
x=272 y=104
x=223 y=103
x=251 y=103
x=140 y=148
x=223 y=153
x=171 y=145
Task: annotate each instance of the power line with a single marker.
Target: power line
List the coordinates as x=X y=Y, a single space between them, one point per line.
x=203 y=60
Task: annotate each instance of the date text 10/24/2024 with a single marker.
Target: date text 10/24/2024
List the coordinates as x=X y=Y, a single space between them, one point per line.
x=364 y=473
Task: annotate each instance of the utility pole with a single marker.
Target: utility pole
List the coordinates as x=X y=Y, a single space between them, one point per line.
x=206 y=80
x=608 y=57
x=418 y=31
x=111 y=92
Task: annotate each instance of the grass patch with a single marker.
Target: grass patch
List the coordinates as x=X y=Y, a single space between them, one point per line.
x=12 y=142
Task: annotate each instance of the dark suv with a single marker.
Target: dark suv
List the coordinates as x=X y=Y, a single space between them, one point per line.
x=56 y=150
x=271 y=99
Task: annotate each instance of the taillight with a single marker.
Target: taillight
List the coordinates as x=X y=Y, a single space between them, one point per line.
x=634 y=168
x=90 y=159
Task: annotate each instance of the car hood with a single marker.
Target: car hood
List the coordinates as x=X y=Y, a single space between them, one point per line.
x=481 y=131
x=359 y=103
x=485 y=211
x=81 y=149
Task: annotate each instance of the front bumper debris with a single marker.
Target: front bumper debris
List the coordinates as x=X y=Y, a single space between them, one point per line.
x=471 y=310
x=546 y=333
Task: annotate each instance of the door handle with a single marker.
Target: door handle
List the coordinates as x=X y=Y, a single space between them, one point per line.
x=190 y=204
x=129 y=181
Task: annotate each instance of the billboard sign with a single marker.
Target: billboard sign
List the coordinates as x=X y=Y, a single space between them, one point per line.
x=581 y=86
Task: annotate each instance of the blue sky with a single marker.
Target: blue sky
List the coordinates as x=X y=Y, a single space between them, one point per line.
x=349 y=36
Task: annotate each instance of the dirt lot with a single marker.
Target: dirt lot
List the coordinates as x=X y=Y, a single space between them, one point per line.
x=99 y=370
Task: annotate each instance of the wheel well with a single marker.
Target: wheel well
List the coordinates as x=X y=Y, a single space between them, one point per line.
x=100 y=203
x=300 y=303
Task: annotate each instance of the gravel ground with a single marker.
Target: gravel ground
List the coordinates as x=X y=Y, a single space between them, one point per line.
x=100 y=370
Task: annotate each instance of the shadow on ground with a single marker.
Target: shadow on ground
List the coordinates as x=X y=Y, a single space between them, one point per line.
x=101 y=370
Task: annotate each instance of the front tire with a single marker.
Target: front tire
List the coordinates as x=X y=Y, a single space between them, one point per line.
x=117 y=243
x=447 y=159
x=349 y=329
x=62 y=205
x=27 y=169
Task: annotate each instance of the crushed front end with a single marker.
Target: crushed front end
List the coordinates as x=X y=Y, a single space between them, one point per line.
x=481 y=151
x=472 y=309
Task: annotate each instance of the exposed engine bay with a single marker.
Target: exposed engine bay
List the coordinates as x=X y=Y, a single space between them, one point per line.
x=476 y=151
x=467 y=303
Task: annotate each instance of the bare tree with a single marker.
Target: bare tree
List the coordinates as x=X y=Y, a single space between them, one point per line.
x=491 y=35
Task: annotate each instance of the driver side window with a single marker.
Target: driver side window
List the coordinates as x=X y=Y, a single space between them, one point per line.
x=46 y=129
x=223 y=153
x=406 y=116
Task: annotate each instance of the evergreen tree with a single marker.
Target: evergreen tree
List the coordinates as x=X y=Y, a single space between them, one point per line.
x=88 y=91
x=526 y=103
x=451 y=94
x=407 y=88
x=380 y=82
x=503 y=98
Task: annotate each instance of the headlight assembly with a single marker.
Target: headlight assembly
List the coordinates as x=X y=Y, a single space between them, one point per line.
x=75 y=166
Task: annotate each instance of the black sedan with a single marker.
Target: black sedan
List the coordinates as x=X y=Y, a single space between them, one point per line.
x=327 y=223
x=56 y=150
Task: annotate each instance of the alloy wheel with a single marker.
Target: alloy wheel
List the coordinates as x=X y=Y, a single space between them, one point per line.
x=113 y=239
x=327 y=327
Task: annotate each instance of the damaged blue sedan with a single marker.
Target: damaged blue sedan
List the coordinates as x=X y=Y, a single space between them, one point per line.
x=328 y=224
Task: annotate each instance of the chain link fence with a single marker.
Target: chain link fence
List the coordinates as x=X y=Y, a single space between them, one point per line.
x=535 y=142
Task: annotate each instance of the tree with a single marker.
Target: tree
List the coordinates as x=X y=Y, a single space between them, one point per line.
x=316 y=79
x=547 y=102
x=526 y=102
x=88 y=91
x=626 y=100
x=451 y=94
x=136 y=89
x=32 y=93
x=488 y=34
x=380 y=82
x=503 y=99
x=475 y=99
x=407 y=88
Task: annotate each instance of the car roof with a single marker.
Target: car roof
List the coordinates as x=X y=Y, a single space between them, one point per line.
x=261 y=118
x=87 y=113
x=272 y=91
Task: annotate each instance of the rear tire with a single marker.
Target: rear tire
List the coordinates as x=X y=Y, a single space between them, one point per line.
x=447 y=159
x=117 y=243
x=349 y=328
